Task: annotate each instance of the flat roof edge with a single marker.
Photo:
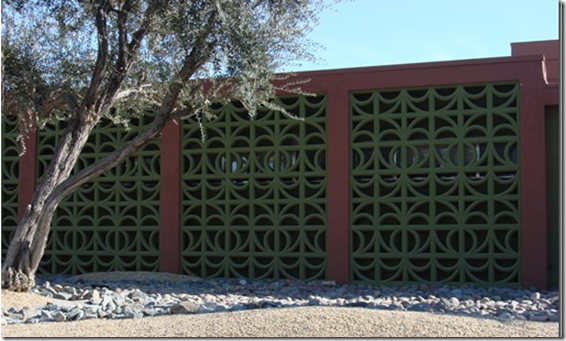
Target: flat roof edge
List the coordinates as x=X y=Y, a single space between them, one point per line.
x=425 y=65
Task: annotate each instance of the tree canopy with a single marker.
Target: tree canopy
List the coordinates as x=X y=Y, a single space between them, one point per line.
x=85 y=60
x=124 y=55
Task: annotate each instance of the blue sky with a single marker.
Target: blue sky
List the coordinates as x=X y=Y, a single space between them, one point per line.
x=387 y=32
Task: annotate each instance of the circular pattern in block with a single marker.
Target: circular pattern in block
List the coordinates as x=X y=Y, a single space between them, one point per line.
x=254 y=193
x=112 y=223
x=435 y=185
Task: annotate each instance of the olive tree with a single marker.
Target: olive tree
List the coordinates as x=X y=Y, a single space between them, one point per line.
x=82 y=61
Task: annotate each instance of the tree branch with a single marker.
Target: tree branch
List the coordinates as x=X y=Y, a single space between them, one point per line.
x=108 y=162
x=200 y=50
x=123 y=47
x=182 y=113
x=126 y=53
x=138 y=36
x=69 y=100
x=102 y=56
x=192 y=62
x=131 y=91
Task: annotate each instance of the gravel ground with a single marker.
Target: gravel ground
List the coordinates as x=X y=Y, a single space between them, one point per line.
x=282 y=322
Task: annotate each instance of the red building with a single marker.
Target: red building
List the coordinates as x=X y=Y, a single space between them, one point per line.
x=432 y=172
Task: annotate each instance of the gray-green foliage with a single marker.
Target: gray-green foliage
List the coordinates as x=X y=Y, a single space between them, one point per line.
x=50 y=49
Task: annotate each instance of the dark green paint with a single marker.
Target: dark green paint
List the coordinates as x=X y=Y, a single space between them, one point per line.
x=112 y=223
x=10 y=183
x=254 y=193
x=434 y=185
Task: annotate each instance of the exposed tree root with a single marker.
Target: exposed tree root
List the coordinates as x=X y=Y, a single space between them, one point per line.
x=17 y=280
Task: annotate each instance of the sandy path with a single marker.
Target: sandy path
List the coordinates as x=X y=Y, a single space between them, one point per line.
x=290 y=322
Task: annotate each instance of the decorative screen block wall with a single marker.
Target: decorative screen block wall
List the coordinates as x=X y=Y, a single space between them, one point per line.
x=254 y=193
x=112 y=223
x=434 y=185
x=401 y=174
x=10 y=173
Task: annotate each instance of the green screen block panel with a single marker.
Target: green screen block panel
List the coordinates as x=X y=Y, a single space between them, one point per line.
x=434 y=185
x=10 y=183
x=254 y=193
x=111 y=223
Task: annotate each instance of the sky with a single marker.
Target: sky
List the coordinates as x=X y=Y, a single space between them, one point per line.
x=387 y=32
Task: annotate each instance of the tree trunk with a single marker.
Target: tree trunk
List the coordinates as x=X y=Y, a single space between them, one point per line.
x=27 y=245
